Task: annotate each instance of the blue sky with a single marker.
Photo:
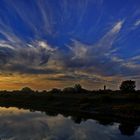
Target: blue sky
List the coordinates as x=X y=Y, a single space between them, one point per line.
x=62 y=42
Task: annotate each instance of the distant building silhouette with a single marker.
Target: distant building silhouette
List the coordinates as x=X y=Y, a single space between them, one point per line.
x=104 y=87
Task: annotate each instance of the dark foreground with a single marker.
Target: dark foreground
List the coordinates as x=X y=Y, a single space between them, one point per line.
x=105 y=106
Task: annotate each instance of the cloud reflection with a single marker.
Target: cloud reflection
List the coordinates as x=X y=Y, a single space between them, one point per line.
x=24 y=125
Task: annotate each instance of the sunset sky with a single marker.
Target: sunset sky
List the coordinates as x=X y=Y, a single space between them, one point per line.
x=58 y=43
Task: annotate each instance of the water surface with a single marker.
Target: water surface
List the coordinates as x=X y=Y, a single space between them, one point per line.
x=20 y=124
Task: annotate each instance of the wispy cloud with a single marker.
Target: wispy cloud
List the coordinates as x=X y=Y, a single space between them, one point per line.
x=53 y=41
x=94 y=61
x=137 y=23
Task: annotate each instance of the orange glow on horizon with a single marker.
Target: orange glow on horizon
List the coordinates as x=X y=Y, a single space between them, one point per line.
x=43 y=82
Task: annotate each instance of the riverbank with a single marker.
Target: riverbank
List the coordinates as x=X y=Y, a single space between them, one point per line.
x=109 y=105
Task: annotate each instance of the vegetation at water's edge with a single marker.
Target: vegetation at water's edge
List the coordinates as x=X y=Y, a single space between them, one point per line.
x=106 y=106
x=122 y=103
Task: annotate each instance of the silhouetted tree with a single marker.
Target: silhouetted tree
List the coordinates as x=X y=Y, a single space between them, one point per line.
x=78 y=87
x=69 y=90
x=55 y=90
x=27 y=90
x=128 y=86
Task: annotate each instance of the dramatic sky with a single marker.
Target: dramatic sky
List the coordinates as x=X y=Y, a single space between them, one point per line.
x=57 y=43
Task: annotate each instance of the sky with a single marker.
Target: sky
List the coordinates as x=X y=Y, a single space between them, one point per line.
x=58 y=43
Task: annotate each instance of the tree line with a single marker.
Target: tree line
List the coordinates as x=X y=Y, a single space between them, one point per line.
x=127 y=86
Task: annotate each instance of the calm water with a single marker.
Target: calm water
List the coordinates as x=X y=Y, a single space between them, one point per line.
x=19 y=124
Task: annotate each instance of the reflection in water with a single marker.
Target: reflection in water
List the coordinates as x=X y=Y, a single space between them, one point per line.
x=127 y=129
x=21 y=124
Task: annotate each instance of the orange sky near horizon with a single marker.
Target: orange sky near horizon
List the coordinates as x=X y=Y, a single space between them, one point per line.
x=42 y=82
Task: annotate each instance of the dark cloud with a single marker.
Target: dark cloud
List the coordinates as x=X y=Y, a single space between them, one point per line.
x=25 y=69
x=5 y=55
x=28 y=60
